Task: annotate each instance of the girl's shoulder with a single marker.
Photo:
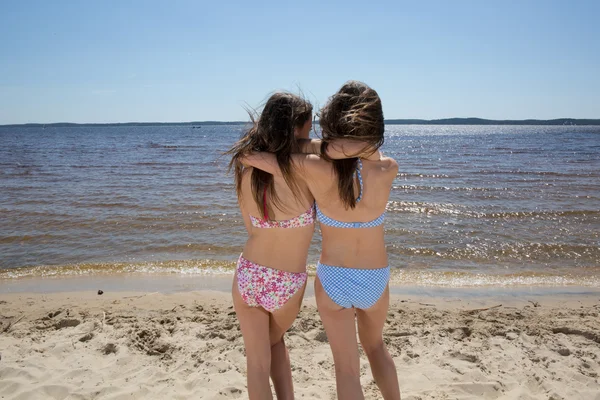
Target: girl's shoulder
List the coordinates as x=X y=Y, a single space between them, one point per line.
x=388 y=163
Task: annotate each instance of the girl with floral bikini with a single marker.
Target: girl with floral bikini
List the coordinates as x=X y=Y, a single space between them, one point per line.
x=279 y=215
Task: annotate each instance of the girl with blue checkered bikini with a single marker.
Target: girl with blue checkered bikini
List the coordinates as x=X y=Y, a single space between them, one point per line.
x=351 y=195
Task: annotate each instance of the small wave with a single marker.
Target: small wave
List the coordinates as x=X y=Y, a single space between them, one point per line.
x=25 y=238
x=416 y=207
x=184 y=267
x=18 y=165
x=145 y=208
x=22 y=172
x=484 y=252
x=168 y=164
x=131 y=206
x=187 y=247
x=449 y=189
x=543 y=214
x=153 y=145
x=536 y=173
x=417 y=175
x=22 y=201
x=42 y=215
x=588 y=277
x=458 y=279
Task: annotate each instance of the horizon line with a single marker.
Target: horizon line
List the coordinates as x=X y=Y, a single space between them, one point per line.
x=391 y=121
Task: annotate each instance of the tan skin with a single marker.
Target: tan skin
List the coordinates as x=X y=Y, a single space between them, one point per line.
x=278 y=248
x=351 y=248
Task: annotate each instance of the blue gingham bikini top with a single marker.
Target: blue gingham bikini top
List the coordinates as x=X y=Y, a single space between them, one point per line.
x=324 y=219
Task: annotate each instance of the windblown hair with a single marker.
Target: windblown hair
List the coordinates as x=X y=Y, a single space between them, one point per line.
x=354 y=112
x=272 y=131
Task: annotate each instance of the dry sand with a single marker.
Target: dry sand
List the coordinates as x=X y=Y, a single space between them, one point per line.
x=188 y=346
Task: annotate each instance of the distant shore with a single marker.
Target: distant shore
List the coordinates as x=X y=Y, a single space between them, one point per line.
x=445 y=121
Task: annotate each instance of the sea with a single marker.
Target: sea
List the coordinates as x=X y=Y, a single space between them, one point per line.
x=471 y=206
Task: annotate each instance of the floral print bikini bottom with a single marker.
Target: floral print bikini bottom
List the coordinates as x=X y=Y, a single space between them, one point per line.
x=267 y=287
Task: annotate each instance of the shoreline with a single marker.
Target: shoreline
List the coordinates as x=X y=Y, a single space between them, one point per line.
x=181 y=284
x=185 y=275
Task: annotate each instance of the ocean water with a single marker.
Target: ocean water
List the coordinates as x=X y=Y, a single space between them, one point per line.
x=471 y=205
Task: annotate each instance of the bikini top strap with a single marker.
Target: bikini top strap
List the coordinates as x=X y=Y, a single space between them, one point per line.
x=266 y=211
x=360 y=180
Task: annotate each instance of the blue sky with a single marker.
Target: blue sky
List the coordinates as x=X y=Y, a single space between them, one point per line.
x=118 y=61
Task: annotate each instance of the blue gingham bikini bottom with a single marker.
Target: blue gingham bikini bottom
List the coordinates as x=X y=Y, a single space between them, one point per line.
x=353 y=287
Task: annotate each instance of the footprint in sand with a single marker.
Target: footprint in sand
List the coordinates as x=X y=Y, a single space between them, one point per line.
x=110 y=348
x=231 y=392
x=465 y=357
x=67 y=323
x=87 y=337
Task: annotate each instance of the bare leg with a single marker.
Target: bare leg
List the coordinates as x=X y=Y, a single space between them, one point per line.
x=281 y=370
x=254 y=323
x=340 y=327
x=370 y=332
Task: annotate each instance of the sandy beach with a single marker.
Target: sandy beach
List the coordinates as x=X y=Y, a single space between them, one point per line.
x=187 y=345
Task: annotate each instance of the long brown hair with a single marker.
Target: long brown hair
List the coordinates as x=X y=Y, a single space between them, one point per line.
x=354 y=112
x=272 y=131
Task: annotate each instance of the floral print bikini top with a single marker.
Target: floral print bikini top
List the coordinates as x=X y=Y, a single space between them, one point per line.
x=304 y=219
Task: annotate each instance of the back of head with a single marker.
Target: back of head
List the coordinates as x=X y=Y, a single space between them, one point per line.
x=272 y=131
x=354 y=112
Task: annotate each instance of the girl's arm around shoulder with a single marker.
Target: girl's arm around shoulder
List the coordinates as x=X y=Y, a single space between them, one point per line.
x=263 y=161
x=305 y=165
